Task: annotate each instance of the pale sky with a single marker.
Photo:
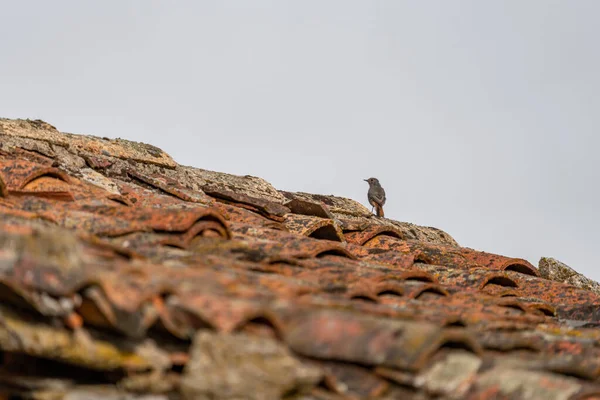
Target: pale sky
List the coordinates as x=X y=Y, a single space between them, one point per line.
x=478 y=117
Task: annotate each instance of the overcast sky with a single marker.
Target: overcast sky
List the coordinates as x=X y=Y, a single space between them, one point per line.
x=479 y=117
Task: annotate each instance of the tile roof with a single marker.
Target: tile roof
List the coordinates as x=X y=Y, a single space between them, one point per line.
x=124 y=272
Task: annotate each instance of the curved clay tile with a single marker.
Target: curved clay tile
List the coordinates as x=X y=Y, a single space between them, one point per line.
x=99 y=312
x=427 y=253
x=511 y=302
x=361 y=294
x=175 y=220
x=416 y=275
x=119 y=303
x=450 y=255
x=240 y=218
x=178 y=321
x=543 y=308
x=204 y=228
x=293 y=246
x=146 y=241
x=142 y=197
x=51 y=260
x=117 y=220
x=264 y=207
x=519 y=265
x=498 y=280
x=500 y=291
x=26 y=178
x=389 y=288
x=353 y=380
x=35 y=154
x=46 y=180
x=414 y=289
x=310 y=208
x=18 y=173
x=170 y=186
x=430 y=291
x=93 y=223
x=555 y=293
x=466 y=279
x=50 y=195
x=495 y=261
x=317 y=228
x=3 y=190
x=120 y=200
x=454 y=321
x=46 y=183
x=260 y=325
x=222 y=312
x=371 y=231
x=371 y=341
x=390 y=259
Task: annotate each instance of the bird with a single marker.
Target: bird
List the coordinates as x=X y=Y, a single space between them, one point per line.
x=376 y=195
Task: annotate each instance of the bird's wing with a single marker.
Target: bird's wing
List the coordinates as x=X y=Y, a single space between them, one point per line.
x=379 y=197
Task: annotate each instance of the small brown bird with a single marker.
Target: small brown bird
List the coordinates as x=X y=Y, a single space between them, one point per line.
x=376 y=195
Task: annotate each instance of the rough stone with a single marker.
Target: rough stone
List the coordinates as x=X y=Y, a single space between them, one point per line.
x=247 y=184
x=450 y=377
x=238 y=366
x=528 y=385
x=555 y=270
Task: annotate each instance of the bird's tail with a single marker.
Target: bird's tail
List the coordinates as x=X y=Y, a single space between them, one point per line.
x=379 y=210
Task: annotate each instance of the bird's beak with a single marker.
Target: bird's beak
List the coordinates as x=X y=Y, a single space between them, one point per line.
x=366 y=180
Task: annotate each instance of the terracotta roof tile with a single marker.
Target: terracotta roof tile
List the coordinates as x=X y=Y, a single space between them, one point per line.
x=440 y=254
x=315 y=227
x=170 y=186
x=123 y=270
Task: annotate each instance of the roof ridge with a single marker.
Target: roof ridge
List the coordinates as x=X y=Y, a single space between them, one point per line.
x=95 y=150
